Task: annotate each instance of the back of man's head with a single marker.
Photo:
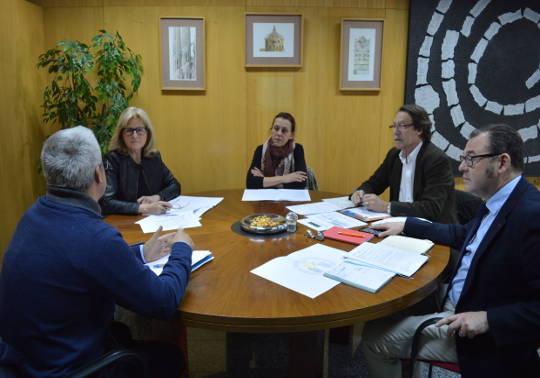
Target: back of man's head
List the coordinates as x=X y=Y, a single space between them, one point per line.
x=69 y=158
x=504 y=139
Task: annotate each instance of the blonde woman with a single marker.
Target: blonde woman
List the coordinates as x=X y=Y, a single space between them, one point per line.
x=138 y=182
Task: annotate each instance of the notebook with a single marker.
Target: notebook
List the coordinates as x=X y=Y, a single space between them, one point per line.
x=359 y=275
x=198 y=258
x=336 y=233
x=419 y=246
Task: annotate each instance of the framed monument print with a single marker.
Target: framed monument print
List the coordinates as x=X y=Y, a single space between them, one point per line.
x=361 y=54
x=182 y=44
x=273 y=40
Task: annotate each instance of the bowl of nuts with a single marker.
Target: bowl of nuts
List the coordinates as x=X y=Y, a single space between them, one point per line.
x=263 y=223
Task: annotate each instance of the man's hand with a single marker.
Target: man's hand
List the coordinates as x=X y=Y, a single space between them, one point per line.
x=156 y=208
x=466 y=324
x=357 y=197
x=157 y=246
x=375 y=203
x=149 y=199
x=389 y=228
x=160 y=245
x=181 y=236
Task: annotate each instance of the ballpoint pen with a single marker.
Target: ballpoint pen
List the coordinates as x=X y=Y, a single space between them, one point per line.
x=351 y=234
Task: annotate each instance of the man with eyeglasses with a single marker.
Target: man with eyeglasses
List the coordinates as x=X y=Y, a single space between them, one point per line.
x=490 y=320
x=418 y=173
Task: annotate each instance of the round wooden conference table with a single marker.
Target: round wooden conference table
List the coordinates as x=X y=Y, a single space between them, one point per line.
x=224 y=295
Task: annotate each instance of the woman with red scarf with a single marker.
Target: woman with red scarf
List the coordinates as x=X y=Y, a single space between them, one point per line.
x=279 y=162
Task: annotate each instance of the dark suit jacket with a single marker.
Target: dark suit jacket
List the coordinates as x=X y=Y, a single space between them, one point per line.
x=123 y=179
x=433 y=192
x=504 y=280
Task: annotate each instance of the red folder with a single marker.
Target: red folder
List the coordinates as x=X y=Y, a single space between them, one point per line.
x=334 y=233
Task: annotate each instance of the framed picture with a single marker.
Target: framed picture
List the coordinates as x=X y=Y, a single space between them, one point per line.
x=182 y=44
x=361 y=54
x=274 y=40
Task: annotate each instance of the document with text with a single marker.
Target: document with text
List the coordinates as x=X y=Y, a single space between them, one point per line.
x=389 y=258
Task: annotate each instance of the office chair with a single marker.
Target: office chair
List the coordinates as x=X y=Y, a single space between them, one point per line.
x=9 y=370
x=467 y=205
x=311 y=183
x=450 y=366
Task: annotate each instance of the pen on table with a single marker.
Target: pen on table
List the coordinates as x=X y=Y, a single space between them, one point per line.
x=351 y=234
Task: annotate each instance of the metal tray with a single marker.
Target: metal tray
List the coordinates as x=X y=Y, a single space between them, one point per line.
x=245 y=223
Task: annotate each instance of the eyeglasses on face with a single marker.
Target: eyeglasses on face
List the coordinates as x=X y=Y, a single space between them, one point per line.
x=136 y=130
x=469 y=159
x=400 y=126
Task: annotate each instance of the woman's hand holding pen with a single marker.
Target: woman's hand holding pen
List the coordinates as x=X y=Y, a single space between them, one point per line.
x=357 y=197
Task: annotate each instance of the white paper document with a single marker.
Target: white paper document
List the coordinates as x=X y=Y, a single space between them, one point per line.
x=169 y=221
x=303 y=271
x=407 y=243
x=390 y=220
x=295 y=195
x=198 y=258
x=389 y=258
x=395 y=219
x=313 y=208
x=364 y=214
x=341 y=202
x=197 y=205
x=322 y=222
x=185 y=213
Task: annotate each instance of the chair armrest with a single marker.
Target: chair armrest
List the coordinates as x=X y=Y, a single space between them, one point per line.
x=106 y=360
x=416 y=341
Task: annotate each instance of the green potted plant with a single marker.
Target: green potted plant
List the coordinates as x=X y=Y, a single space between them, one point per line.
x=71 y=99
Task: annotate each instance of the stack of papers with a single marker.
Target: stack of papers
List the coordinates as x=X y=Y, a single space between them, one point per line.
x=341 y=202
x=322 y=222
x=390 y=259
x=295 y=195
x=198 y=258
x=186 y=213
x=314 y=208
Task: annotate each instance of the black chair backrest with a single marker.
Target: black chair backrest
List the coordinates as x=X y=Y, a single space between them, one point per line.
x=466 y=205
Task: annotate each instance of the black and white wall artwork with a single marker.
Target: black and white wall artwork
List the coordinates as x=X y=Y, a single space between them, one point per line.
x=471 y=63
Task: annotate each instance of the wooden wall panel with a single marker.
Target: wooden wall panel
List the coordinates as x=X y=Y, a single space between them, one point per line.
x=21 y=41
x=207 y=138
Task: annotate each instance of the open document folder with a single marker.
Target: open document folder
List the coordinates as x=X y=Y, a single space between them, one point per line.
x=198 y=258
x=389 y=258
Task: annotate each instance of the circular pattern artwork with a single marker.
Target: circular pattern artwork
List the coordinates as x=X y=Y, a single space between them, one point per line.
x=472 y=63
